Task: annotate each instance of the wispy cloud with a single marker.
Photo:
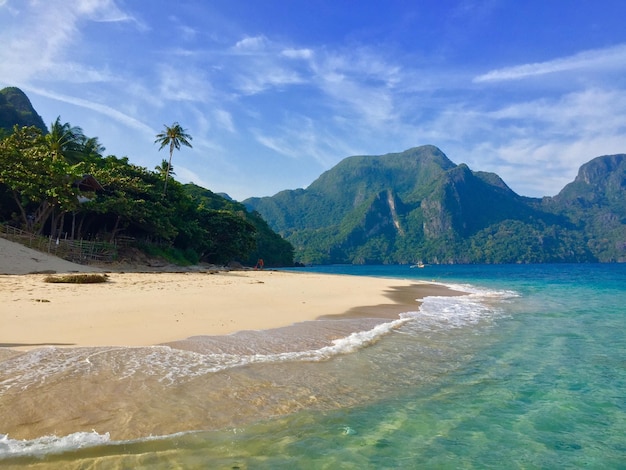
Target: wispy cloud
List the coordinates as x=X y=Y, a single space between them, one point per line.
x=101 y=10
x=251 y=44
x=580 y=116
x=28 y=56
x=97 y=107
x=192 y=84
x=301 y=137
x=609 y=58
x=298 y=53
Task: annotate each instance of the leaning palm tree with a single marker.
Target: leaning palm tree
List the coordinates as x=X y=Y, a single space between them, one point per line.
x=173 y=136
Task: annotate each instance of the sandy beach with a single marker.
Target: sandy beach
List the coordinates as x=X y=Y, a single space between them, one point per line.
x=161 y=352
x=142 y=309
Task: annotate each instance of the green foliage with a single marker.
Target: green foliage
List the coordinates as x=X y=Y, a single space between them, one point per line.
x=41 y=189
x=270 y=246
x=173 y=255
x=228 y=235
x=38 y=182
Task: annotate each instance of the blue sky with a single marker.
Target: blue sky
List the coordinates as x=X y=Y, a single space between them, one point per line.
x=276 y=92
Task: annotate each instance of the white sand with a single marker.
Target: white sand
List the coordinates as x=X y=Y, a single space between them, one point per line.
x=138 y=309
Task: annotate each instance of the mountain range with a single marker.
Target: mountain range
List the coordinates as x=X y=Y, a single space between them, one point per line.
x=419 y=206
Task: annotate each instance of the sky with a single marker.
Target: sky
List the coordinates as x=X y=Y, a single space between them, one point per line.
x=275 y=92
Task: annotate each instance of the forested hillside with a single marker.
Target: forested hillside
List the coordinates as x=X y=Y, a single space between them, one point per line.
x=419 y=206
x=58 y=183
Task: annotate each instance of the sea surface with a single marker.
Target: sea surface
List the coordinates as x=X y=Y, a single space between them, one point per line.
x=528 y=371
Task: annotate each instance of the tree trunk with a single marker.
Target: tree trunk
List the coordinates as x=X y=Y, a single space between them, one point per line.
x=167 y=173
x=22 y=210
x=115 y=228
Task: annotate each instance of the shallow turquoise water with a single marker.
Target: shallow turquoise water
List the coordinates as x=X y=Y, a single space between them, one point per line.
x=530 y=372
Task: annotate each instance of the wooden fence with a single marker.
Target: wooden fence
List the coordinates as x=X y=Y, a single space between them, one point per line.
x=77 y=251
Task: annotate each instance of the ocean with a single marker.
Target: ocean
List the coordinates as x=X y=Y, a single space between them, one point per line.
x=526 y=371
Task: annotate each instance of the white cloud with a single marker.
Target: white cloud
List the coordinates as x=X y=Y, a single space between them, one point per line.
x=298 y=53
x=224 y=119
x=266 y=76
x=53 y=30
x=358 y=85
x=98 y=107
x=257 y=65
x=188 y=84
x=100 y=10
x=609 y=58
x=578 y=115
x=251 y=44
x=302 y=137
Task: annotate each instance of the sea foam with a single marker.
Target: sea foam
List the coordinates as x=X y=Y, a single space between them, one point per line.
x=46 y=445
x=169 y=365
x=478 y=304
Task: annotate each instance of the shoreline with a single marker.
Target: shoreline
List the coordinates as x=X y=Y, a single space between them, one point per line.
x=146 y=309
x=147 y=306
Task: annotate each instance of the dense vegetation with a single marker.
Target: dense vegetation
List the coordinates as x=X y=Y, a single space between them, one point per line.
x=59 y=184
x=419 y=206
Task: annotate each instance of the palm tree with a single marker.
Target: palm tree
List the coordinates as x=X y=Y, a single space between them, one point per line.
x=65 y=141
x=173 y=136
x=162 y=169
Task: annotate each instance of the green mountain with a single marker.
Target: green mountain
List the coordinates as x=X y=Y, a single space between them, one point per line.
x=596 y=201
x=16 y=108
x=419 y=205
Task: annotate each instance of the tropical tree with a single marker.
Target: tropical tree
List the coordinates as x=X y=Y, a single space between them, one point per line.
x=165 y=169
x=174 y=136
x=39 y=182
x=65 y=141
x=130 y=201
x=92 y=150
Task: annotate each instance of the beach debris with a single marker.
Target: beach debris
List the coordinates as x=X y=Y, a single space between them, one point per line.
x=77 y=279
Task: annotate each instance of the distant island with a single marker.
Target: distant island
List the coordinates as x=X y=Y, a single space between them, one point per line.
x=419 y=206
